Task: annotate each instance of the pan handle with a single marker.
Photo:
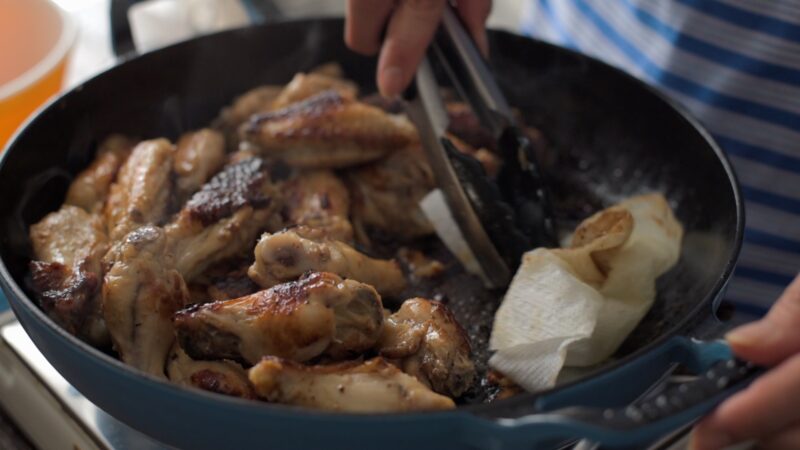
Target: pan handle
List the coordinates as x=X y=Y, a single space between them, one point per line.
x=121 y=36
x=606 y=410
x=259 y=11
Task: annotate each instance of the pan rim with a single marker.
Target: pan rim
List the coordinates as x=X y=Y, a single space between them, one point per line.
x=10 y=285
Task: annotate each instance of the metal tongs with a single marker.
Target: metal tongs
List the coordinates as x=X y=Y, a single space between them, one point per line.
x=500 y=218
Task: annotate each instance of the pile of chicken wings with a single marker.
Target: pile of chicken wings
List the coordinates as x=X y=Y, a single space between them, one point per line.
x=237 y=259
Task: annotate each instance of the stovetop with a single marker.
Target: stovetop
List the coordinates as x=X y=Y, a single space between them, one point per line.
x=46 y=408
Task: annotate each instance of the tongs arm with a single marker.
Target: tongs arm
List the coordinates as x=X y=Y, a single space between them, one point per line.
x=426 y=109
x=457 y=54
x=499 y=220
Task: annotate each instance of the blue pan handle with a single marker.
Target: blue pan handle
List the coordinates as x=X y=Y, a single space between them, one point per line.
x=606 y=410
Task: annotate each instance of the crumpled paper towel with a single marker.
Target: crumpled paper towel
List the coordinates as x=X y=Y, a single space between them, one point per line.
x=574 y=306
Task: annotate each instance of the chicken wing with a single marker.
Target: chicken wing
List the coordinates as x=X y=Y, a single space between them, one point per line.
x=90 y=188
x=256 y=100
x=431 y=345
x=223 y=377
x=315 y=315
x=141 y=292
x=371 y=386
x=198 y=156
x=331 y=69
x=141 y=194
x=304 y=86
x=386 y=195
x=319 y=200
x=68 y=246
x=328 y=131
x=288 y=254
x=224 y=218
x=419 y=265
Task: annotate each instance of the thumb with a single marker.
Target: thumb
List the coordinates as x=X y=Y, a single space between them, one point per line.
x=775 y=337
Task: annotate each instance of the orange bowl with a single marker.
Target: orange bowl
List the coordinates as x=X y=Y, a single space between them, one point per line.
x=36 y=37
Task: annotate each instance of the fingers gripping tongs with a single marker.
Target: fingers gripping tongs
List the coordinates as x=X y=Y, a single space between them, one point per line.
x=498 y=219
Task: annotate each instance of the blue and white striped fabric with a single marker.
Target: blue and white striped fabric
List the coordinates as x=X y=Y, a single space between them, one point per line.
x=736 y=65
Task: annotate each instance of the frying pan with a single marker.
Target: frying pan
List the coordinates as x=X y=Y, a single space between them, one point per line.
x=609 y=136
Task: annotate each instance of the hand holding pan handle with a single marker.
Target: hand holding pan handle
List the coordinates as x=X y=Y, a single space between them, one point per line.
x=606 y=411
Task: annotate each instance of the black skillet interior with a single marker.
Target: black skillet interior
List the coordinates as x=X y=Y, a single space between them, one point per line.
x=607 y=137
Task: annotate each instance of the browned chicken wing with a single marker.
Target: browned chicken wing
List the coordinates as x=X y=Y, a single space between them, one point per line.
x=431 y=345
x=223 y=377
x=386 y=195
x=308 y=85
x=143 y=189
x=224 y=218
x=68 y=246
x=420 y=266
x=256 y=100
x=328 y=131
x=141 y=292
x=318 y=314
x=198 y=156
x=268 y=98
x=288 y=254
x=90 y=188
x=331 y=69
x=371 y=386
x=319 y=200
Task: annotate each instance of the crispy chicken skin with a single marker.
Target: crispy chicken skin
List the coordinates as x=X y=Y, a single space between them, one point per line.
x=143 y=189
x=308 y=85
x=256 y=100
x=198 y=155
x=371 y=386
x=141 y=292
x=267 y=98
x=319 y=200
x=288 y=254
x=90 y=188
x=224 y=218
x=319 y=314
x=328 y=131
x=68 y=247
x=431 y=345
x=223 y=377
x=385 y=195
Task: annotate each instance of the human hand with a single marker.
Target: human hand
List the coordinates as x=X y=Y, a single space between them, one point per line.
x=767 y=411
x=410 y=25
